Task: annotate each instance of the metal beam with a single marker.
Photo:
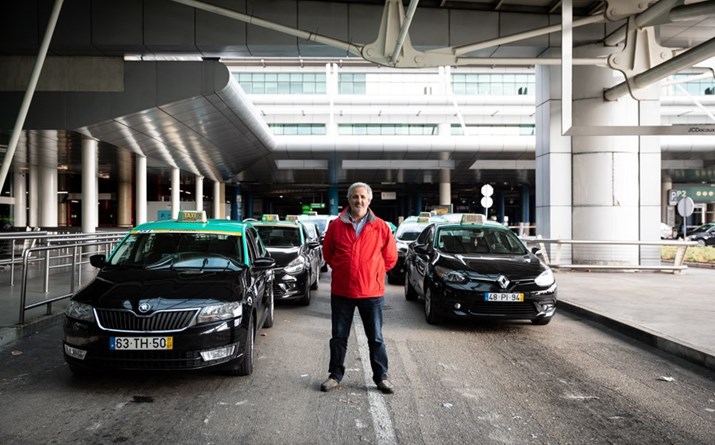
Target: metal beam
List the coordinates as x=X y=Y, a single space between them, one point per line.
x=405 y=29
x=682 y=61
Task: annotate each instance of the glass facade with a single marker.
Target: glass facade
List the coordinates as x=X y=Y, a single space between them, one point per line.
x=699 y=87
x=387 y=129
x=493 y=84
x=297 y=129
x=282 y=83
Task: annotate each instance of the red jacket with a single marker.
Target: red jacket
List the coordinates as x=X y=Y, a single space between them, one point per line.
x=359 y=263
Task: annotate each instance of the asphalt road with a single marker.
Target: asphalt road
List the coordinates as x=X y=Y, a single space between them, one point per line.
x=570 y=382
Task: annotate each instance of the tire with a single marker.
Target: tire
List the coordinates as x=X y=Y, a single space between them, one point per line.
x=430 y=308
x=410 y=292
x=246 y=365
x=305 y=301
x=268 y=323
x=701 y=243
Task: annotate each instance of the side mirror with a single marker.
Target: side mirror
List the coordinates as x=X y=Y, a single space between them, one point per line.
x=264 y=263
x=422 y=249
x=313 y=244
x=98 y=260
x=536 y=251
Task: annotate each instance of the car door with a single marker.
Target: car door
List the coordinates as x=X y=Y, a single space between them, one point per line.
x=259 y=279
x=422 y=249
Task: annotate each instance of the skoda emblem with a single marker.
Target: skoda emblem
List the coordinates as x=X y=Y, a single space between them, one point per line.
x=503 y=281
x=144 y=308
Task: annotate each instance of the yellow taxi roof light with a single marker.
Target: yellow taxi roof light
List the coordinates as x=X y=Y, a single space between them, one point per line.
x=473 y=218
x=270 y=218
x=291 y=217
x=423 y=219
x=192 y=216
x=424 y=215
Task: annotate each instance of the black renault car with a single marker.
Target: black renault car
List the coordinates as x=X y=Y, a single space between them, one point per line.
x=183 y=294
x=298 y=258
x=478 y=270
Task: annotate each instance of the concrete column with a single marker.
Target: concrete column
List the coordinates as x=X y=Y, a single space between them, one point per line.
x=175 y=193
x=499 y=206
x=33 y=197
x=218 y=208
x=553 y=162
x=124 y=188
x=140 y=199
x=236 y=203
x=525 y=203
x=89 y=186
x=20 y=192
x=199 y=192
x=418 y=202
x=445 y=186
x=333 y=200
x=616 y=179
x=667 y=212
x=47 y=185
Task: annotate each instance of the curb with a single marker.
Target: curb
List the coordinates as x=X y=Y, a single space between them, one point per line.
x=642 y=335
x=12 y=334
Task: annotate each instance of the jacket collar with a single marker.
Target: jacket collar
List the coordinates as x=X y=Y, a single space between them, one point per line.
x=345 y=216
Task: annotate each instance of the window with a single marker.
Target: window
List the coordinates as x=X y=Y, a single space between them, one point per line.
x=281 y=83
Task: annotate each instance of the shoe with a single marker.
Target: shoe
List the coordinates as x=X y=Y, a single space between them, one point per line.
x=329 y=385
x=385 y=386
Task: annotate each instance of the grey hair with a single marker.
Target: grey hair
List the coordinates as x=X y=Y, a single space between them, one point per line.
x=352 y=188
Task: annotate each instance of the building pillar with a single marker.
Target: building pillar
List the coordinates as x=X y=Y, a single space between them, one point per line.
x=175 y=193
x=525 y=203
x=333 y=200
x=499 y=206
x=124 y=188
x=199 y=192
x=33 y=199
x=90 y=201
x=553 y=162
x=236 y=203
x=47 y=185
x=140 y=199
x=19 y=189
x=218 y=207
x=667 y=212
x=418 y=202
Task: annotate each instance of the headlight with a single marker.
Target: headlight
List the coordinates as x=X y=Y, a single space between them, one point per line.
x=216 y=312
x=546 y=278
x=450 y=275
x=80 y=311
x=296 y=266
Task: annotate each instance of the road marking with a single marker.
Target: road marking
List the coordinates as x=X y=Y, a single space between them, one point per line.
x=384 y=432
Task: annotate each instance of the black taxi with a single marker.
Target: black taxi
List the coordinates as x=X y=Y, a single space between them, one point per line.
x=183 y=294
x=478 y=269
x=298 y=257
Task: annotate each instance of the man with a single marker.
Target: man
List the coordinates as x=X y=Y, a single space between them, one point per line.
x=360 y=249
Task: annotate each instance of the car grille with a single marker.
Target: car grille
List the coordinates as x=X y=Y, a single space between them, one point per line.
x=151 y=360
x=527 y=309
x=160 y=321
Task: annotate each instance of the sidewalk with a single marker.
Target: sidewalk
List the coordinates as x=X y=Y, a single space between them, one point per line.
x=671 y=312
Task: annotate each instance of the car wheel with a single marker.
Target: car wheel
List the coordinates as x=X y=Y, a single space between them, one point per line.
x=305 y=301
x=701 y=243
x=410 y=292
x=541 y=321
x=246 y=365
x=431 y=308
x=271 y=308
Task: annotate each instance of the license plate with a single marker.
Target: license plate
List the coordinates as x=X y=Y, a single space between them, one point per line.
x=141 y=343
x=508 y=297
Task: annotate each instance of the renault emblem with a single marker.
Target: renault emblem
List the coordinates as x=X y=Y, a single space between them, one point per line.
x=144 y=308
x=503 y=281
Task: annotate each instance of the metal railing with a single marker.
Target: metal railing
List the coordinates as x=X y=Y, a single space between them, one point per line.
x=558 y=253
x=68 y=251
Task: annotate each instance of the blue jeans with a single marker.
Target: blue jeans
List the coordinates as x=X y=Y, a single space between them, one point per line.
x=342 y=310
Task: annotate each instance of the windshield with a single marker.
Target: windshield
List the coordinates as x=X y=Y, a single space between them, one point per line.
x=188 y=249
x=276 y=236
x=479 y=240
x=409 y=232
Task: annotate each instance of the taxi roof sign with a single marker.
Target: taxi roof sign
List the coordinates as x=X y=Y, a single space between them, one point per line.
x=291 y=217
x=473 y=218
x=423 y=219
x=192 y=216
x=425 y=214
x=270 y=218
